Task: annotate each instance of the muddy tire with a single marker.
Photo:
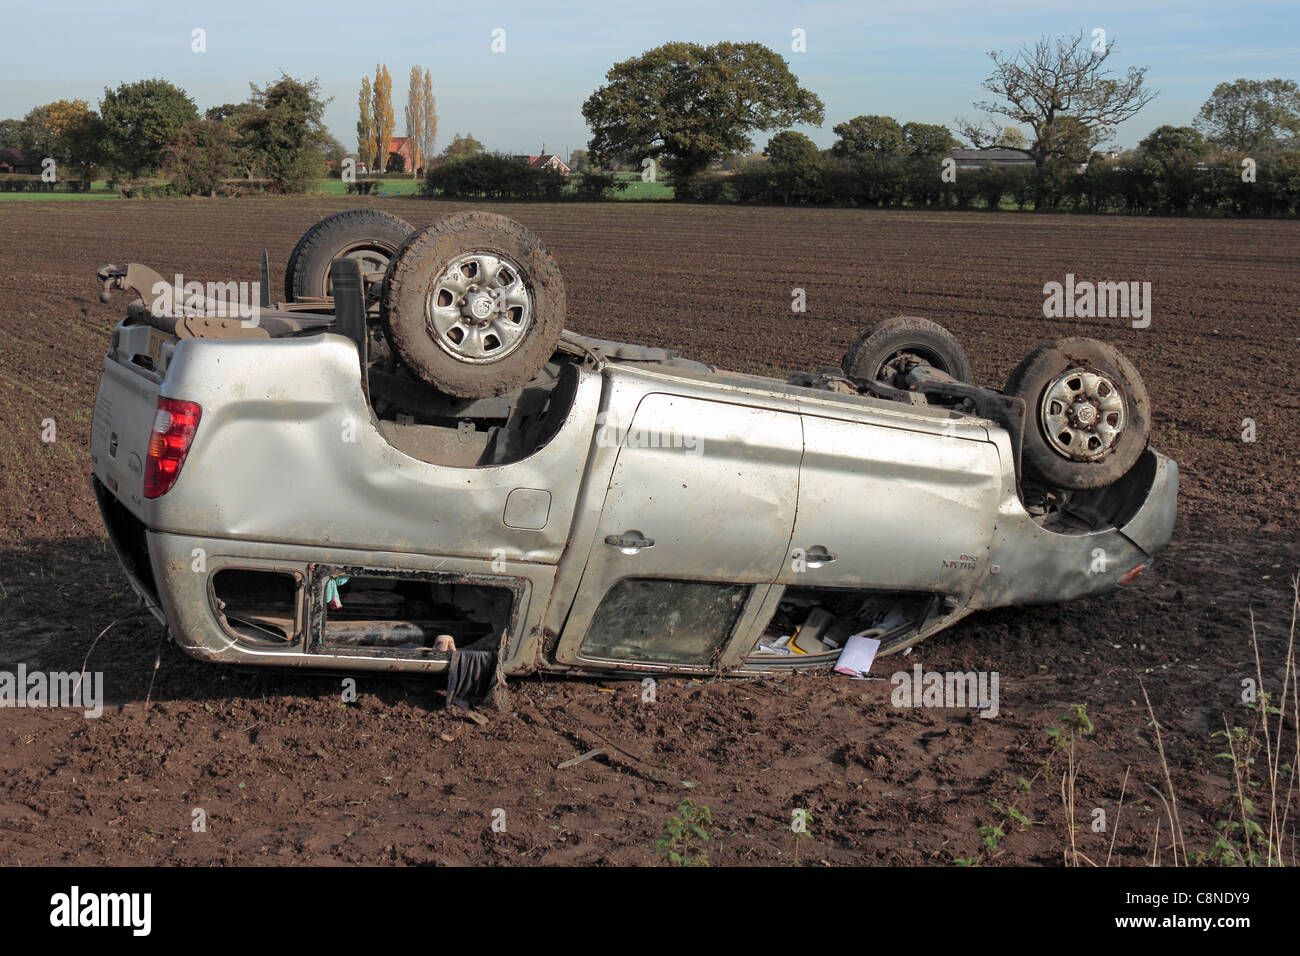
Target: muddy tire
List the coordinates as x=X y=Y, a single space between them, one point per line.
x=473 y=305
x=1087 y=414
x=873 y=354
x=366 y=234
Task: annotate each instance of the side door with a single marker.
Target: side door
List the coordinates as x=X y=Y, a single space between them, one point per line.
x=694 y=528
x=895 y=508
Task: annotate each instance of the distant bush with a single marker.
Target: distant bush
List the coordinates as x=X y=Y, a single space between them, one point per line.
x=485 y=176
x=24 y=183
x=149 y=190
x=704 y=187
x=591 y=186
x=1135 y=184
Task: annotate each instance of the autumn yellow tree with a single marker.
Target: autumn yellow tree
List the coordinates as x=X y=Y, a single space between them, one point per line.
x=429 y=128
x=421 y=117
x=67 y=131
x=365 y=126
x=382 y=114
x=415 y=116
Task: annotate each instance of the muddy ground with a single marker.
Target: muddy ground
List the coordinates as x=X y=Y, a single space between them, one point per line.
x=284 y=772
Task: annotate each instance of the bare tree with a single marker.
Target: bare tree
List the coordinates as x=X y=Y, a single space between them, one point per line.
x=1054 y=80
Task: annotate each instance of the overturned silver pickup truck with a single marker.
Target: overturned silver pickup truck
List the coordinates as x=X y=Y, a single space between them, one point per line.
x=410 y=456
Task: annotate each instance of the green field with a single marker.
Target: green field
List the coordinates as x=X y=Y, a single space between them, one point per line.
x=402 y=186
x=638 y=190
x=399 y=186
x=97 y=191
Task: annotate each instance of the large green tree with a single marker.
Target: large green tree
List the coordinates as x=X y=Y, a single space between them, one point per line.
x=1170 y=145
x=1252 y=116
x=287 y=132
x=11 y=133
x=876 y=136
x=67 y=131
x=200 y=156
x=928 y=140
x=462 y=147
x=689 y=105
x=1058 y=87
x=139 y=120
x=792 y=149
x=237 y=118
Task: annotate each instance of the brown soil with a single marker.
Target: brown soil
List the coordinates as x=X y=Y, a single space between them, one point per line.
x=287 y=774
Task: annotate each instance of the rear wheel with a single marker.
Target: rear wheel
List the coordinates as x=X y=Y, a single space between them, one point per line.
x=1087 y=413
x=888 y=348
x=368 y=235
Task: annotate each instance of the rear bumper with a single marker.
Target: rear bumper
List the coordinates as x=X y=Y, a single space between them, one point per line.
x=129 y=539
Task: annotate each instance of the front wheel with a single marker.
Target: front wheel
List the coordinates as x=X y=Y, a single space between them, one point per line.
x=1087 y=413
x=885 y=351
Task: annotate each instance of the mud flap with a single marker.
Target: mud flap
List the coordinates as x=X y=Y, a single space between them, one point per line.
x=475 y=677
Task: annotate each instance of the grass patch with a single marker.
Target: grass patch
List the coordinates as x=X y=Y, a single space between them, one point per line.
x=399 y=186
x=98 y=190
x=637 y=190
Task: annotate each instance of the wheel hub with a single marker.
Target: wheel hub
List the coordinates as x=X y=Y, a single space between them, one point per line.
x=1083 y=414
x=479 y=309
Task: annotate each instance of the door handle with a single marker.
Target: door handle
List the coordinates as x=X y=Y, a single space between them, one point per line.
x=817 y=556
x=629 y=542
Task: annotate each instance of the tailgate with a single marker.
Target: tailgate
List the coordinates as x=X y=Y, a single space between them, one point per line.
x=125 y=407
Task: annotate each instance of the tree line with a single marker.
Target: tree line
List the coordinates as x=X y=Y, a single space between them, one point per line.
x=151 y=127
x=691 y=110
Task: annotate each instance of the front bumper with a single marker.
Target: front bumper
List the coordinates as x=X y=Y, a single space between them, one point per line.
x=1031 y=565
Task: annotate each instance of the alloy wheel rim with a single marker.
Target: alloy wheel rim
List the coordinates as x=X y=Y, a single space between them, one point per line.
x=1083 y=414
x=479 y=309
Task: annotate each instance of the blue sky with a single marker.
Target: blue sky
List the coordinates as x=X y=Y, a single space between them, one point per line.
x=918 y=60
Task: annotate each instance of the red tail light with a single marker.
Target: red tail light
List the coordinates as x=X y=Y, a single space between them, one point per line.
x=174 y=426
x=1129 y=578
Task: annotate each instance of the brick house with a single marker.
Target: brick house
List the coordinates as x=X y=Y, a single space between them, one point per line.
x=544 y=160
x=403 y=146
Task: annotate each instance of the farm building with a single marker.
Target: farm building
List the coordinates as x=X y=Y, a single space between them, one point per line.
x=984 y=158
x=13 y=161
x=543 y=160
x=403 y=146
x=550 y=161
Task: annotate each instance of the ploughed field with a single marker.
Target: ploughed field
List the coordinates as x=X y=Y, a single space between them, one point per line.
x=284 y=772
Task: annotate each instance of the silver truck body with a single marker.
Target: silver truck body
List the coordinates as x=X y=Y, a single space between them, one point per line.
x=658 y=529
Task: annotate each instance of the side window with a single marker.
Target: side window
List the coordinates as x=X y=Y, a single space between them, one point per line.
x=393 y=614
x=667 y=622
